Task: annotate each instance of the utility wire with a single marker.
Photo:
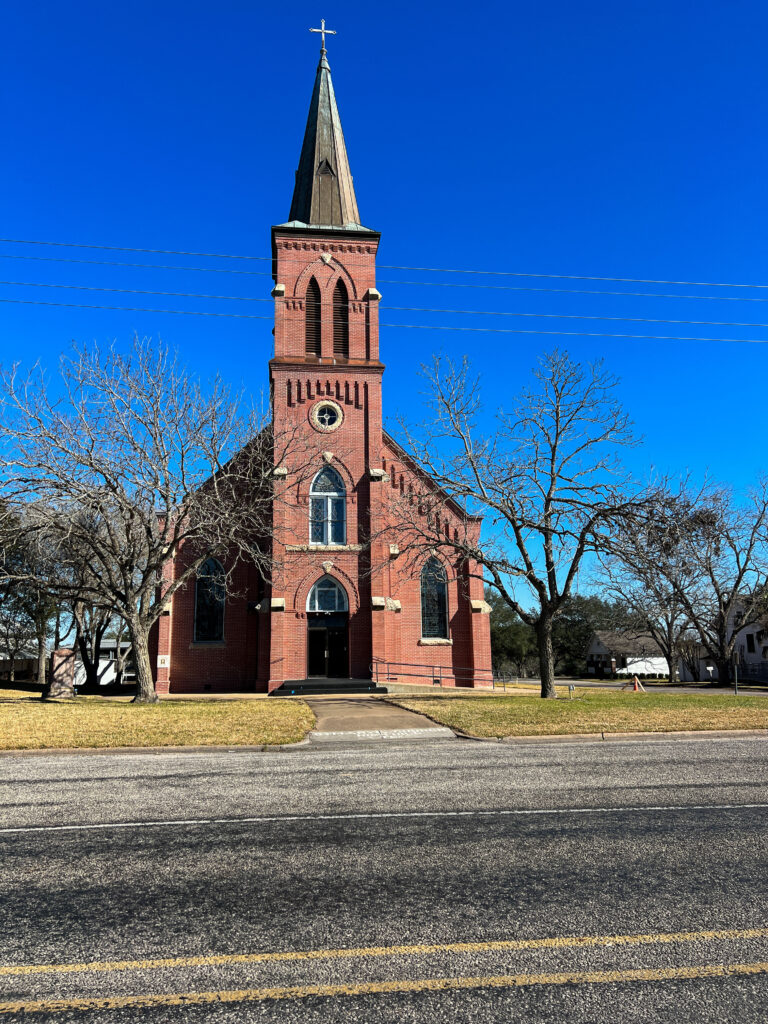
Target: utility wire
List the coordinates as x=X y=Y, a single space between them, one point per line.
x=400 y=309
x=393 y=281
x=413 y=327
x=575 y=291
x=386 y=266
x=142 y=266
x=137 y=291
x=573 y=316
x=138 y=309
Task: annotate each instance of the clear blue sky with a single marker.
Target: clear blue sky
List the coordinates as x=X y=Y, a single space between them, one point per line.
x=567 y=138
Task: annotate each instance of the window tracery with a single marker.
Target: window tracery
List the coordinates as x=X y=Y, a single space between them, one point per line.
x=327 y=508
x=434 y=600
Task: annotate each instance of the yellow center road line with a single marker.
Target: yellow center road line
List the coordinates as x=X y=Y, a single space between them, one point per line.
x=253 y=995
x=556 y=942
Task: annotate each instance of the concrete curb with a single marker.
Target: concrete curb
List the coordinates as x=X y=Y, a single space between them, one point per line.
x=383 y=735
x=392 y=735
x=621 y=737
x=260 y=748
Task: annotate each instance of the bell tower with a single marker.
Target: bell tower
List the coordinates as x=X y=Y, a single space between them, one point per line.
x=326 y=310
x=325 y=383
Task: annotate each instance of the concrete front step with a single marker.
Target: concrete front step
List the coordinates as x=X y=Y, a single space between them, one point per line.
x=299 y=687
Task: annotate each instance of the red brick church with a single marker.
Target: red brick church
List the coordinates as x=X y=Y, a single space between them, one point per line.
x=343 y=604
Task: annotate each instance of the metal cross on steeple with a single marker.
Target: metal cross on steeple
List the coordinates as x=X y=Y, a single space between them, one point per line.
x=324 y=32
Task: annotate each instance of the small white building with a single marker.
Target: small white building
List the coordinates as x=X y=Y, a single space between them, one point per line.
x=624 y=654
x=109 y=665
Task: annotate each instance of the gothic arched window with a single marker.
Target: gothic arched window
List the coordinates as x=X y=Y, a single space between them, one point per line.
x=312 y=319
x=210 y=596
x=434 y=600
x=340 y=320
x=327 y=596
x=327 y=508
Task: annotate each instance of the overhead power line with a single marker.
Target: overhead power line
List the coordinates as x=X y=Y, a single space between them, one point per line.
x=416 y=309
x=136 y=291
x=394 y=281
x=388 y=266
x=137 y=309
x=412 y=327
x=127 y=248
x=400 y=309
x=574 y=291
x=573 y=316
x=141 y=266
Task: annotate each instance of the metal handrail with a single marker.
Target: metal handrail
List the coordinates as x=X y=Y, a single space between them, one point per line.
x=438 y=675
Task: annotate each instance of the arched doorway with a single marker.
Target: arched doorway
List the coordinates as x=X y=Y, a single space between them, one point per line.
x=327 y=630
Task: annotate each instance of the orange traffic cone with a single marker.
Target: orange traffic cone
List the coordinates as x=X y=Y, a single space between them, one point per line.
x=634 y=682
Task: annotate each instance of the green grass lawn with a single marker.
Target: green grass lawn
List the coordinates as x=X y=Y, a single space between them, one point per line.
x=590 y=711
x=27 y=723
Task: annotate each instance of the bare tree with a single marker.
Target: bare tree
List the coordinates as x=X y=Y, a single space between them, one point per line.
x=25 y=569
x=93 y=621
x=547 y=481
x=17 y=634
x=130 y=463
x=714 y=554
x=639 y=569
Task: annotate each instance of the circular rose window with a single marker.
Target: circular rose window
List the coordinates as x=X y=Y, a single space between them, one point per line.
x=326 y=416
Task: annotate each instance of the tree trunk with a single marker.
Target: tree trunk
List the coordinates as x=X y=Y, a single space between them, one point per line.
x=546 y=656
x=145 y=685
x=673 y=659
x=723 y=672
x=91 y=667
x=41 y=656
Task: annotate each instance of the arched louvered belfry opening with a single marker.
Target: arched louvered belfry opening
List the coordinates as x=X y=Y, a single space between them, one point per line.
x=340 y=320
x=312 y=319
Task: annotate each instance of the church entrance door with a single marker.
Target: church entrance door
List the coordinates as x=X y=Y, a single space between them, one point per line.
x=327 y=645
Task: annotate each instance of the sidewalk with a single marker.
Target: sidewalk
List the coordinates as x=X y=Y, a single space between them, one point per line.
x=365 y=720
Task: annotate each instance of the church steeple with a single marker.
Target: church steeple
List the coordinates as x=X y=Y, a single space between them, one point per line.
x=324 y=196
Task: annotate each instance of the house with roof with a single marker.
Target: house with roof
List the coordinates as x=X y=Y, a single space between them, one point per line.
x=624 y=654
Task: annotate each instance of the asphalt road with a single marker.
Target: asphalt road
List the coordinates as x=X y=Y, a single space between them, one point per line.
x=440 y=881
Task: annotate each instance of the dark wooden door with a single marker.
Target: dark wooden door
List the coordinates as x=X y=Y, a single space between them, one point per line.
x=338 y=660
x=327 y=645
x=316 y=647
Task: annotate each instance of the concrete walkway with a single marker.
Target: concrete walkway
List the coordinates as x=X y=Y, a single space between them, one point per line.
x=366 y=720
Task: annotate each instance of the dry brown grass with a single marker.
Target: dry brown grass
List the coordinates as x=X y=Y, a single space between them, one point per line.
x=27 y=723
x=591 y=711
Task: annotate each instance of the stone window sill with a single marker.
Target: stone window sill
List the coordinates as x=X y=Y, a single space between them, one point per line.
x=323 y=547
x=208 y=643
x=435 y=641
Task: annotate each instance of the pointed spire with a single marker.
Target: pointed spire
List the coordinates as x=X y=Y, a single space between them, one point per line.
x=324 y=195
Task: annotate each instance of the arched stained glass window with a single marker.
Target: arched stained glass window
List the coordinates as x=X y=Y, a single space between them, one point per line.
x=434 y=600
x=210 y=597
x=327 y=508
x=312 y=319
x=327 y=595
x=340 y=320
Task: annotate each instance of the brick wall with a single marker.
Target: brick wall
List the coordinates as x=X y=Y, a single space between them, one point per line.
x=263 y=648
